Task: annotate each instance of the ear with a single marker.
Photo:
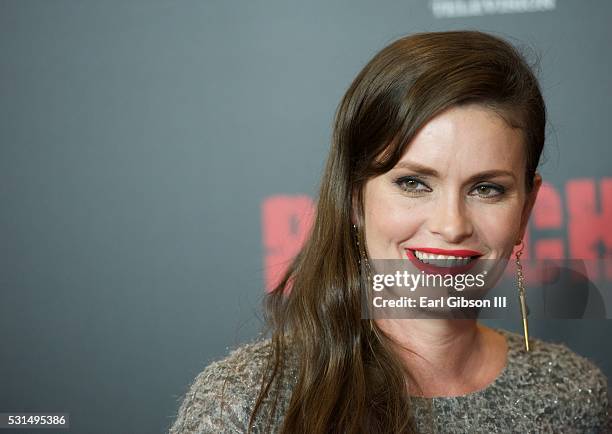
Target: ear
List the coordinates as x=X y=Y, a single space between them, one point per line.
x=528 y=207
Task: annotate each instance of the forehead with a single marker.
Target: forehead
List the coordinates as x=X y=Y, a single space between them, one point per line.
x=471 y=137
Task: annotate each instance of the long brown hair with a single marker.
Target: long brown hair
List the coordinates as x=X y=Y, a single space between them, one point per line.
x=349 y=378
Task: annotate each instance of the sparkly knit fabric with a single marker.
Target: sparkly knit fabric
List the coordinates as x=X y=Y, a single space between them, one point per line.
x=548 y=390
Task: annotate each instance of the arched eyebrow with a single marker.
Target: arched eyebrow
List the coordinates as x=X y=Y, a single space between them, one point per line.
x=428 y=171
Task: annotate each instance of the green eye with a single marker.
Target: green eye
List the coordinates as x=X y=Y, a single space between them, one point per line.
x=412 y=185
x=488 y=190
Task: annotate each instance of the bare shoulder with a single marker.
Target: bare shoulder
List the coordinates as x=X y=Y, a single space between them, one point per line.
x=221 y=397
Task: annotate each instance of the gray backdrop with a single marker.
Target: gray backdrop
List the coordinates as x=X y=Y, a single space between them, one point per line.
x=139 y=139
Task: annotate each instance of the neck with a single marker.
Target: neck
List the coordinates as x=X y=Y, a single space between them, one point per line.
x=442 y=356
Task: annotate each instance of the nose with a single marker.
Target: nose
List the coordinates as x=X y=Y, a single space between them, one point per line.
x=450 y=219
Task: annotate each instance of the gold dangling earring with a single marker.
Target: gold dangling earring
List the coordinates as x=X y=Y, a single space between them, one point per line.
x=520 y=280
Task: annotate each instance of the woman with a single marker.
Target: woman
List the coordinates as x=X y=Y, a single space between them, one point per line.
x=435 y=146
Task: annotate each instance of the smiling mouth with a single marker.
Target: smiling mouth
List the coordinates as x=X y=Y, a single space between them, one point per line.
x=442 y=260
x=429 y=261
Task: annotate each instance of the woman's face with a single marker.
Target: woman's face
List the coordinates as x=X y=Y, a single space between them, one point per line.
x=459 y=186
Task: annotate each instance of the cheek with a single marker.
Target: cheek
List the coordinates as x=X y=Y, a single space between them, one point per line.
x=389 y=221
x=498 y=228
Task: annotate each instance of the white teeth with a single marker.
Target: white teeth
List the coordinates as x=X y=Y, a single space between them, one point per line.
x=442 y=260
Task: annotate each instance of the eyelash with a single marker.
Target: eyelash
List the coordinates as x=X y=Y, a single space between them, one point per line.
x=403 y=180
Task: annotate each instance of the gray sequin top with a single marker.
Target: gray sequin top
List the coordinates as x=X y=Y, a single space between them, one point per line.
x=548 y=390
